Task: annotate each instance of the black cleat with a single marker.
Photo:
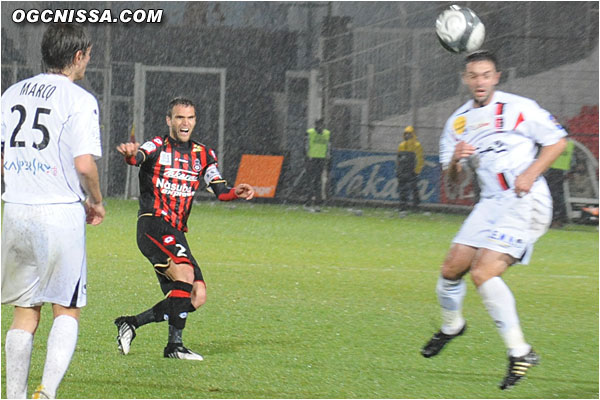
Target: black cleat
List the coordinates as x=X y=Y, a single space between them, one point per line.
x=438 y=341
x=125 y=333
x=517 y=368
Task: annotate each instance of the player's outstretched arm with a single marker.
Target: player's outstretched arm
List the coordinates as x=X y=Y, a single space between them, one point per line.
x=131 y=152
x=244 y=191
x=128 y=149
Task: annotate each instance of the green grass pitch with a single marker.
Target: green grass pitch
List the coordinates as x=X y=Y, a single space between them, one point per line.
x=325 y=305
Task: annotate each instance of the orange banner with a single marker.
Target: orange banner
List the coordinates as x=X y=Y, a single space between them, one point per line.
x=262 y=172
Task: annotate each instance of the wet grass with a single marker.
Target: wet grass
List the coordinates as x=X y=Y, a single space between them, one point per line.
x=326 y=305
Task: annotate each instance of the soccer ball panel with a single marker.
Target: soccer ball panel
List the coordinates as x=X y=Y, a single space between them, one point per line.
x=459 y=30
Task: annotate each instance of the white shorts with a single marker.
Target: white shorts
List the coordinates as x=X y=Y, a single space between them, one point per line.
x=509 y=224
x=43 y=255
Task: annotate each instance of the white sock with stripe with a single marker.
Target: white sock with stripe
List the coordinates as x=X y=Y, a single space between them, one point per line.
x=450 y=296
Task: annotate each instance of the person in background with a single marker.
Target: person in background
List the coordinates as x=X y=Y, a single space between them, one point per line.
x=409 y=164
x=556 y=176
x=50 y=125
x=317 y=158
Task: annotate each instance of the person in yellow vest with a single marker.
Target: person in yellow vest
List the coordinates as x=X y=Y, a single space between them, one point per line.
x=555 y=177
x=409 y=164
x=317 y=155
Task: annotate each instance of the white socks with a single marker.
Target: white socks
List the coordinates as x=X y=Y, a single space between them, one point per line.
x=501 y=305
x=18 y=347
x=450 y=295
x=61 y=346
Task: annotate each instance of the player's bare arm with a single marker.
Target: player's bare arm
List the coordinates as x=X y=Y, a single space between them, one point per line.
x=548 y=154
x=88 y=177
x=461 y=151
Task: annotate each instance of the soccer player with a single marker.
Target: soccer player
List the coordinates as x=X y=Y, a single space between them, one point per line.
x=171 y=168
x=50 y=139
x=498 y=135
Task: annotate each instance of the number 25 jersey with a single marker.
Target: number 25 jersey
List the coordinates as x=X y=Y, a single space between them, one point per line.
x=47 y=121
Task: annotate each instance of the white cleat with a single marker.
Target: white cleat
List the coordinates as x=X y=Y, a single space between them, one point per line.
x=182 y=353
x=125 y=334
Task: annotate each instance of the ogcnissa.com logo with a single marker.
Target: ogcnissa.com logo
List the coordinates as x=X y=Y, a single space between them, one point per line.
x=89 y=16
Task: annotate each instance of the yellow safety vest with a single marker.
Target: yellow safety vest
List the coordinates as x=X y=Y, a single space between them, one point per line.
x=318 y=143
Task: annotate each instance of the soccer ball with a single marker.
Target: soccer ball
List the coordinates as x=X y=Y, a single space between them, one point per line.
x=459 y=30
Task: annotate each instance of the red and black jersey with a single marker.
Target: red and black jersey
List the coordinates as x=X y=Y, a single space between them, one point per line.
x=170 y=173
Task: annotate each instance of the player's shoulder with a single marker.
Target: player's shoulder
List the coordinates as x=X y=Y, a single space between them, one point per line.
x=462 y=109
x=458 y=115
x=198 y=146
x=24 y=86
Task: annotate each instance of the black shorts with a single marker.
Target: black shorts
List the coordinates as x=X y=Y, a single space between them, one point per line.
x=160 y=242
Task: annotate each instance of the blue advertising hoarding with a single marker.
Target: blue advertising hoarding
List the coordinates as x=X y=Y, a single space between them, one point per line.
x=371 y=176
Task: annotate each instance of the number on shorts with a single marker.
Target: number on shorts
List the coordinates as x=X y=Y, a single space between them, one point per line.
x=182 y=250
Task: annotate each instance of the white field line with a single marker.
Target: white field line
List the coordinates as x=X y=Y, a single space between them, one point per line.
x=388 y=269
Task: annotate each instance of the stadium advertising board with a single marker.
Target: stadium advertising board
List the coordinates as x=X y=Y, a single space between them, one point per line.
x=371 y=176
x=260 y=171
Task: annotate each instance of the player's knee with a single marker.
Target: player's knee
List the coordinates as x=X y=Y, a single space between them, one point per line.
x=479 y=275
x=450 y=271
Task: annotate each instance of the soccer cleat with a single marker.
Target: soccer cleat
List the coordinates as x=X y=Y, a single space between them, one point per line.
x=181 y=352
x=125 y=333
x=40 y=393
x=438 y=341
x=517 y=368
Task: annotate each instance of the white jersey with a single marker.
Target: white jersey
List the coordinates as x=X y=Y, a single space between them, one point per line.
x=47 y=121
x=505 y=134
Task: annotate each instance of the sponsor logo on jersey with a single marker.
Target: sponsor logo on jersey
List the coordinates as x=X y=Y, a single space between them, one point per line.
x=459 y=125
x=478 y=125
x=196 y=148
x=158 y=141
x=181 y=174
x=165 y=158
x=181 y=160
x=33 y=166
x=148 y=146
x=173 y=189
x=168 y=240
x=197 y=165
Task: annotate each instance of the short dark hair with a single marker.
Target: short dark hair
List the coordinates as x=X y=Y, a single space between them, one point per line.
x=60 y=43
x=482 y=55
x=179 y=101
